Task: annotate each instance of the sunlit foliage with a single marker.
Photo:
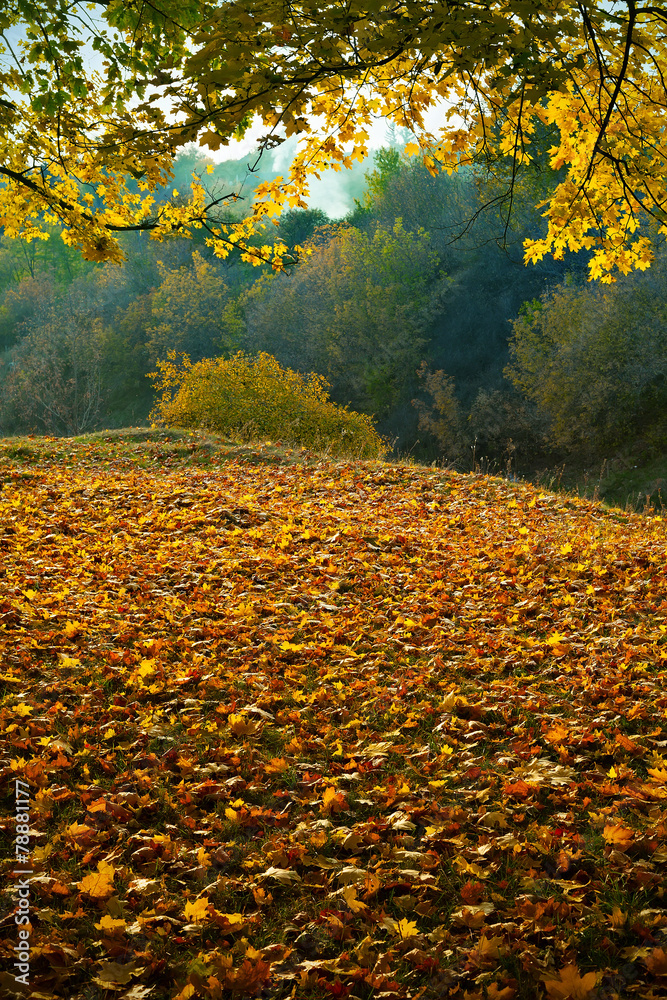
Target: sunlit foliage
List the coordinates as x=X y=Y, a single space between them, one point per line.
x=257 y=398
x=91 y=146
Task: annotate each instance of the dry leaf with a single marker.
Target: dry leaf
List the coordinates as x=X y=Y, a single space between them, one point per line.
x=570 y=985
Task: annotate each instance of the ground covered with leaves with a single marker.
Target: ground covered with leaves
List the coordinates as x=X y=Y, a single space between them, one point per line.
x=297 y=728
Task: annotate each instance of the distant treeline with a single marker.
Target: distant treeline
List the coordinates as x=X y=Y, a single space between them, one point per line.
x=417 y=309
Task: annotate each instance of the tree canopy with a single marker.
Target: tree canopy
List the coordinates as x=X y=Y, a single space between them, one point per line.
x=97 y=98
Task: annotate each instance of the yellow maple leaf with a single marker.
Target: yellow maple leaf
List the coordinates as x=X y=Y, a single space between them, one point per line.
x=494 y=992
x=146 y=667
x=557 y=733
x=450 y=701
x=97 y=885
x=68 y=661
x=111 y=925
x=350 y=897
x=406 y=928
x=618 y=835
x=488 y=949
x=276 y=766
x=241 y=726
x=197 y=912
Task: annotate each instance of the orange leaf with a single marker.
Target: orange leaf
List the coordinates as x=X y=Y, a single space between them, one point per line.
x=557 y=734
x=332 y=801
x=97 y=885
x=656 y=962
x=276 y=766
x=518 y=789
x=250 y=977
x=618 y=835
x=570 y=985
x=622 y=740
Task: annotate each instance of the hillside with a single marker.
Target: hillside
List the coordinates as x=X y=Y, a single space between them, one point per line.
x=303 y=728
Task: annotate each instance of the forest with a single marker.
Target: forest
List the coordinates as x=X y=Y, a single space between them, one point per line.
x=416 y=307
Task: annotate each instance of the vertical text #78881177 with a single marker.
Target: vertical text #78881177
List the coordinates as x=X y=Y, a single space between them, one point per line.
x=22 y=887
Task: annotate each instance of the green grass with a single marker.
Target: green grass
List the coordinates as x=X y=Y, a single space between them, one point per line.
x=145 y=447
x=640 y=485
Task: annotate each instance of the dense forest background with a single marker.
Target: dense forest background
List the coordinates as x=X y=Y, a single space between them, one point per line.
x=416 y=306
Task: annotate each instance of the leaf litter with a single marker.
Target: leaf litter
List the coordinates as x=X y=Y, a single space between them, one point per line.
x=331 y=730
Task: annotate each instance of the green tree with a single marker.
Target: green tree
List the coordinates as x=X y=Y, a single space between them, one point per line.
x=126 y=363
x=355 y=310
x=22 y=302
x=192 y=312
x=299 y=224
x=594 y=362
x=53 y=381
x=440 y=417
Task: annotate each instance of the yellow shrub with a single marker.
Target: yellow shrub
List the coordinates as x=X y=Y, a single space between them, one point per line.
x=254 y=397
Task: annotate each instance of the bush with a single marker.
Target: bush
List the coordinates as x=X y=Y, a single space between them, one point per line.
x=254 y=397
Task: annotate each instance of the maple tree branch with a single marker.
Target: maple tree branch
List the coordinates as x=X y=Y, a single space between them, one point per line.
x=620 y=77
x=66 y=207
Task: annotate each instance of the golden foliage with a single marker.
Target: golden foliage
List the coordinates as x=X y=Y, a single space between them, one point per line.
x=91 y=148
x=255 y=397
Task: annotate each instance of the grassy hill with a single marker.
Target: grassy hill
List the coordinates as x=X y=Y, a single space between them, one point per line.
x=303 y=728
